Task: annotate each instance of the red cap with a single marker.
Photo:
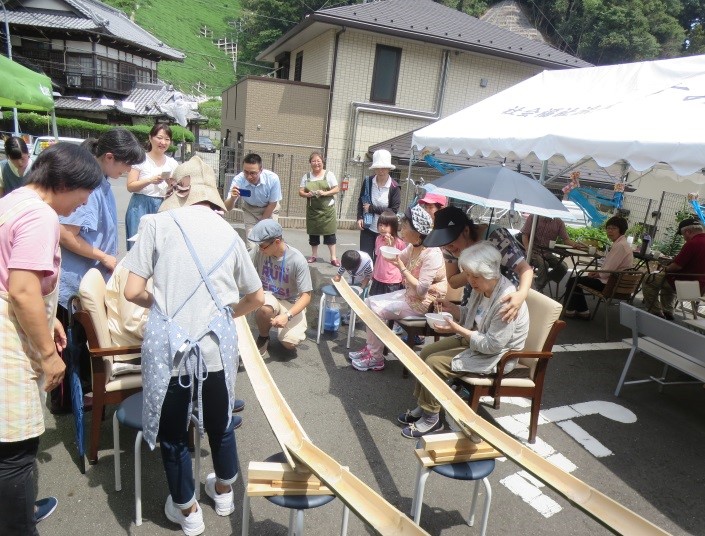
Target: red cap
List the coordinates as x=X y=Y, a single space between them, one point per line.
x=432 y=199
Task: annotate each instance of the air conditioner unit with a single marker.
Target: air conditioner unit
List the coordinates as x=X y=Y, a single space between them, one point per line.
x=73 y=80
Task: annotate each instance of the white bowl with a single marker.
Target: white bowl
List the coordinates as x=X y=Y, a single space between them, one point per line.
x=438 y=319
x=388 y=252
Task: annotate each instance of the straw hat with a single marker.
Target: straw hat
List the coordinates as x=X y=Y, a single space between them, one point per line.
x=382 y=159
x=194 y=182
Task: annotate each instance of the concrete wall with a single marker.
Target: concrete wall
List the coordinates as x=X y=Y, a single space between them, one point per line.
x=317 y=59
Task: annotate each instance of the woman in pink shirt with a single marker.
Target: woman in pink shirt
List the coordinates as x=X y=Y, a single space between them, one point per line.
x=620 y=257
x=385 y=276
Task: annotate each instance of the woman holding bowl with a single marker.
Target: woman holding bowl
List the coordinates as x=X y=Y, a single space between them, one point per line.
x=379 y=192
x=319 y=187
x=147 y=181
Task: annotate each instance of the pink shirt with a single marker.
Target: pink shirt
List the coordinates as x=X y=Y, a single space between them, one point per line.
x=620 y=257
x=384 y=271
x=29 y=240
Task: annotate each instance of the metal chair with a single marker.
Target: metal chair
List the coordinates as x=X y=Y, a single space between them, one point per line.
x=688 y=291
x=296 y=504
x=129 y=414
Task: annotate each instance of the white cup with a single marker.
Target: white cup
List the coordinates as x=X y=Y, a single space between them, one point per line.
x=592 y=250
x=552 y=244
x=630 y=240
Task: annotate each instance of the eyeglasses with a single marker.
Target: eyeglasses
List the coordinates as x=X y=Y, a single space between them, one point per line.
x=264 y=246
x=251 y=173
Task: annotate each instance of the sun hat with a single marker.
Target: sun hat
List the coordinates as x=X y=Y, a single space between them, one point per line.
x=434 y=199
x=382 y=159
x=687 y=223
x=419 y=219
x=265 y=230
x=193 y=182
x=449 y=223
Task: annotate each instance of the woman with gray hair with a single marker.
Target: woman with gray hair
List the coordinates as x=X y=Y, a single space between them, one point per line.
x=479 y=335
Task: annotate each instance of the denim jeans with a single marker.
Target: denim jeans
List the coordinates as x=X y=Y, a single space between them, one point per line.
x=173 y=436
x=17 y=487
x=138 y=206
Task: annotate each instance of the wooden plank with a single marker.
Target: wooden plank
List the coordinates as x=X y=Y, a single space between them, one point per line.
x=359 y=497
x=459 y=456
x=260 y=489
x=277 y=471
x=609 y=512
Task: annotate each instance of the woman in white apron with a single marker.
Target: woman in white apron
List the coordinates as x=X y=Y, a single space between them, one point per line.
x=62 y=178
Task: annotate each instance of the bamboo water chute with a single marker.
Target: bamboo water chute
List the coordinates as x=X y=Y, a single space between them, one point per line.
x=605 y=510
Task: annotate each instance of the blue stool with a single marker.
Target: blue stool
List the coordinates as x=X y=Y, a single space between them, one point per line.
x=330 y=290
x=475 y=470
x=296 y=503
x=129 y=414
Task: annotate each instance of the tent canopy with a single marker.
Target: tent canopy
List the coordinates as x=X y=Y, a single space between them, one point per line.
x=24 y=89
x=643 y=113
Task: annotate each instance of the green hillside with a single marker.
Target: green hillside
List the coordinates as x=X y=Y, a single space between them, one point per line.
x=179 y=24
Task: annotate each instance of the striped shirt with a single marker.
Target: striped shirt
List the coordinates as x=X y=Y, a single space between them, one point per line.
x=364 y=269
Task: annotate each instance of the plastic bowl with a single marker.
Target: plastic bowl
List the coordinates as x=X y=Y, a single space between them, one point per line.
x=388 y=252
x=440 y=319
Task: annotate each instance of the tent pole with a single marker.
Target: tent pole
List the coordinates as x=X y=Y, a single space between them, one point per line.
x=534 y=219
x=54 y=130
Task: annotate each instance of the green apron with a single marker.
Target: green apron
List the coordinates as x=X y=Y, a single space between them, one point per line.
x=320 y=216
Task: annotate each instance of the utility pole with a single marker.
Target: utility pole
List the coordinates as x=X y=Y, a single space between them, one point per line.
x=9 y=56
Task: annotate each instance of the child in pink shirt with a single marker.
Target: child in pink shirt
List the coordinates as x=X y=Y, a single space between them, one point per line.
x=385 y=276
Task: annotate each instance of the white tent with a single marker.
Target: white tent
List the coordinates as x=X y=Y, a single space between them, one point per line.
x=642 y=113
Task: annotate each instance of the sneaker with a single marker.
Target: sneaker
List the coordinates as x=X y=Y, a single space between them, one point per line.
x=398 y=330
x=224 y=503
x=358 y=355
x=368 y=363
x=407 y=417
x=192 y=525
x=414 y=433
x=262 y=344
x=418 y=340
x=43 y=508
x=585 y=315
x=238 y=406
x=237 y=422
x=569 y=313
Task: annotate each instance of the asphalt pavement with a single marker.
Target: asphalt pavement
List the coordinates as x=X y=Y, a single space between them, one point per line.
x=642 y=449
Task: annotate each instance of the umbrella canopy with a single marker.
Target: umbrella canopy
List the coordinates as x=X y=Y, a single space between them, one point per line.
x=24 y=89
x=502 y=188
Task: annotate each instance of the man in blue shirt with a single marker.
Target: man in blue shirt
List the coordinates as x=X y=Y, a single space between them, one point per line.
x=260 y=190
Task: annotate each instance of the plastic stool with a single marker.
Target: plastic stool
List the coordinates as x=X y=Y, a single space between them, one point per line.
x=330 y=290
x=475 y=470
x=129 y=413
x=296 y=503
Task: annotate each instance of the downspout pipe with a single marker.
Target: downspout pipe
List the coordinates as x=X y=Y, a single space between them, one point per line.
x=332 y=87
x=356 y=108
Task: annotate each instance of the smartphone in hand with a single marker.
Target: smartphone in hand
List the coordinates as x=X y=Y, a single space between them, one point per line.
x=166 y=175
x=245 y=193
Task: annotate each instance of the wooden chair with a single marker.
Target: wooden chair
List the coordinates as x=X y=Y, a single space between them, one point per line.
x=107 y=388
x=527 y=381
x=621 y=286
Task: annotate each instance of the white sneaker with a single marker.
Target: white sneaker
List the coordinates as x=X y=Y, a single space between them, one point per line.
x=224 y=502
x=192 y=525
x=357 y=355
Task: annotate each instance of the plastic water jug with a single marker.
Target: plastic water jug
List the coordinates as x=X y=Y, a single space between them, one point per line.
x=331 y=314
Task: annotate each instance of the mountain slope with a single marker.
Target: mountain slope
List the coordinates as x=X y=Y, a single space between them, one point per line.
x=206 y=70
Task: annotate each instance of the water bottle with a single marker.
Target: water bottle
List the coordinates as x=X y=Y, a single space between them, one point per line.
x=331 y=315
x=645 y=242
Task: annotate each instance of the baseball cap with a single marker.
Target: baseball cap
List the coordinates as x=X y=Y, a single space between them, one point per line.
x=449 y=222
x=265 y=230
x=436 y=199
x=687 y=223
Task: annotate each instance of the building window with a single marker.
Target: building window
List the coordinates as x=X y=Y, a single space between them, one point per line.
x=386 y=74
x=283 y=61
x=298 y=66
x=107 y=73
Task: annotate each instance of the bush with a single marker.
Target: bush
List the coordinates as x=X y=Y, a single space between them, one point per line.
x=587 y=234
x=40 y=125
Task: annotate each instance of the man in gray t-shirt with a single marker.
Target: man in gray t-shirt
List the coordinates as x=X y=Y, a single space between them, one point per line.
x=286 y=281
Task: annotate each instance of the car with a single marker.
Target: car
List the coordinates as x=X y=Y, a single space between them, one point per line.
x=42 y=142
x=205 y=145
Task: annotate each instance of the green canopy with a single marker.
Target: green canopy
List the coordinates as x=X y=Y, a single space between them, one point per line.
x=24 y=89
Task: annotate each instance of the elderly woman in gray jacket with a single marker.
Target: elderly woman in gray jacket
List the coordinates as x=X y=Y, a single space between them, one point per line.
x=479 y=335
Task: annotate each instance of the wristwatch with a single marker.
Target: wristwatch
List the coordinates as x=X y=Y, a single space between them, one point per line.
x=289 y=316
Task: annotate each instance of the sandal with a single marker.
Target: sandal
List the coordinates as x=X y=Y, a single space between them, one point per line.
x=311 y=260
x=336 y=263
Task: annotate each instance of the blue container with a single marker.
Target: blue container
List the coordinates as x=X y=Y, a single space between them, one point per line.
x=331 y=317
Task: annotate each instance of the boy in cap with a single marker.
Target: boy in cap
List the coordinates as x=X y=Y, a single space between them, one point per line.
x=690 y=260
x=286 y=280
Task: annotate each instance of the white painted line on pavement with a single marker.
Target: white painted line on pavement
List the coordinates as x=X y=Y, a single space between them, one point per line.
x=590 y=347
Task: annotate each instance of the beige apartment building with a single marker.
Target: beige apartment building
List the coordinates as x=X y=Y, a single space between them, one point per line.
x=349 y=77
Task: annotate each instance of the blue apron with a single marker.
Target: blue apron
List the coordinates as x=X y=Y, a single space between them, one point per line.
x=168 y=347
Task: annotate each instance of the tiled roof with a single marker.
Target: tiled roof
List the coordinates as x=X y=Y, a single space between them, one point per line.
x=146 y=99
x=428 y=21
x=94 y=17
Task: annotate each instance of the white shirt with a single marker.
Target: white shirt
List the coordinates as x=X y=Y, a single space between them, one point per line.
x=380 y=198
x=330 y=179
x=149 y=168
